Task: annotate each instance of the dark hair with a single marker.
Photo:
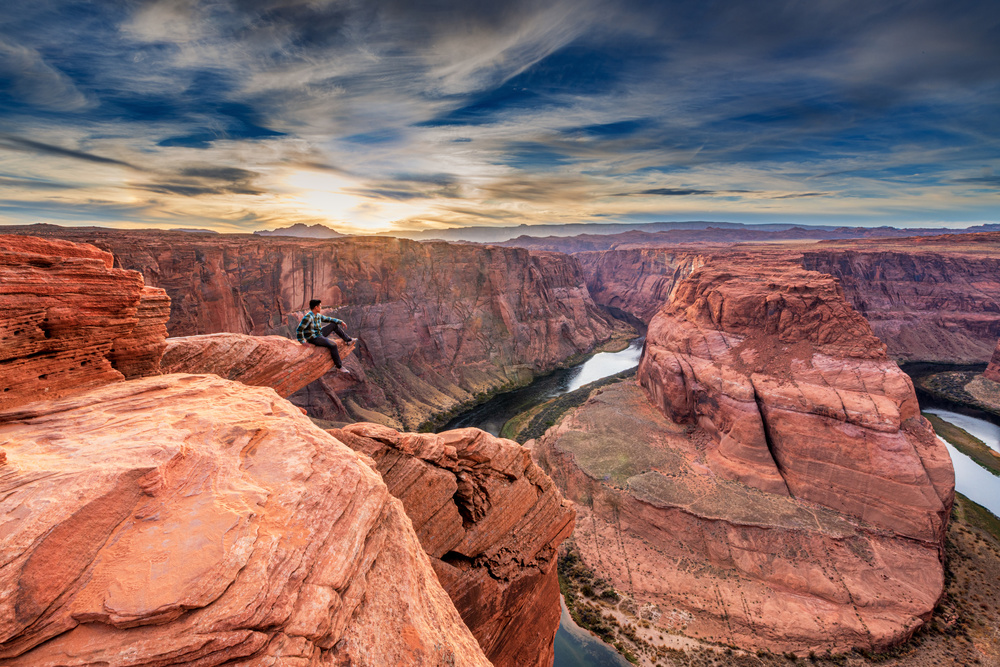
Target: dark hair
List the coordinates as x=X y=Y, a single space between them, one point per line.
x=314 y=303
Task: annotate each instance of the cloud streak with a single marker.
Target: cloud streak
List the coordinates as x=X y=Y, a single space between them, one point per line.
x=370 y=115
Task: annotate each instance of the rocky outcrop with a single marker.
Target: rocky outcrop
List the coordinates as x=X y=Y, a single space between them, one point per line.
x=191 y=520
x=940 y=305
x=798 y=396
x=992 y=371
x=490 y=520
x=138 y=354
x=69 y=321
x=770 y=482
x=439 y=324
x=260 y=361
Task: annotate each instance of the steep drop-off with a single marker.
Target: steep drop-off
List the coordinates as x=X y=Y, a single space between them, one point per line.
x=769 y=482
x=491 y=522
x=439 y=324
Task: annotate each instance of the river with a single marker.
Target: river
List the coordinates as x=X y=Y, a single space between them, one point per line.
x=575 y=646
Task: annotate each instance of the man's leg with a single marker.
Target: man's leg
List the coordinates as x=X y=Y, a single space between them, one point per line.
x=334 y=327
x=323 y=341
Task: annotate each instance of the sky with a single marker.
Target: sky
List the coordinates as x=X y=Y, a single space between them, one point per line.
x=381 y=115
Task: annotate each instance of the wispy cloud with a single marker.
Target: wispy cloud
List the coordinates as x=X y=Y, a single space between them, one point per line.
x=366 y=115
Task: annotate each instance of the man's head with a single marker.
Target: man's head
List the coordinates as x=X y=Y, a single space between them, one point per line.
x=314 y=305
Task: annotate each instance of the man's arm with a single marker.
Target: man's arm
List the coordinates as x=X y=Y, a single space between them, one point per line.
x=327 y=318
x=301 y=328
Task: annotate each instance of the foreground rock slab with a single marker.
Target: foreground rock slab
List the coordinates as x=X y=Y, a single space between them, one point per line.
x=261 y=361
x=186 y=519
x=491 y=522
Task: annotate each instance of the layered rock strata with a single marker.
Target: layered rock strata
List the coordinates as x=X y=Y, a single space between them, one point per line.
x=490 y=520
x=439 y=324
x=260 y=361
x=992 y=371
x=940 y=305
x=770 y=483
x=187 y=519
x=68 y=320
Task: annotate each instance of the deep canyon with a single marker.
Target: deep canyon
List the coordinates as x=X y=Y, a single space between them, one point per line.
x=766 y=482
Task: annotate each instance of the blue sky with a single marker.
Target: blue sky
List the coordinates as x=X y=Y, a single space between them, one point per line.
x=381 y=115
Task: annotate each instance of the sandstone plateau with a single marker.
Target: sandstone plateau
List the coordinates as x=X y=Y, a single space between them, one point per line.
x=438 y=324
x=769 y=481
x=186 y=519
x=490 y=520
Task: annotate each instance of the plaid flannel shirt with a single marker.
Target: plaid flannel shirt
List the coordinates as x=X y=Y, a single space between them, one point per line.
x=312 y=326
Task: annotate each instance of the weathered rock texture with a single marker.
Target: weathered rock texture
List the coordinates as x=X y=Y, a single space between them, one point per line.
x=187 y=519
x=261 y=361
x=68 y=320
x=992 y=371
x=771 y=483
x=640 y=280
x=490 y=520
x=929 y=299
x=439 y=324
x=941 y=305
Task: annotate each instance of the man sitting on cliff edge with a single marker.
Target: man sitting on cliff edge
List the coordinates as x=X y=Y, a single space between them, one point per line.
x=312 y=331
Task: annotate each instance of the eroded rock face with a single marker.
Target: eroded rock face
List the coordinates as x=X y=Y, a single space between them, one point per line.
x=770 y=481
x=941 y=305
x=992 y=371
x=260 y=361
x=68 y=320
x=490 y=520
x=191 y=520
x=798 y=396
x=438 y=323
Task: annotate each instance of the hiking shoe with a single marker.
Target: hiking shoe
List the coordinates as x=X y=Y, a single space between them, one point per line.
x=344 y=370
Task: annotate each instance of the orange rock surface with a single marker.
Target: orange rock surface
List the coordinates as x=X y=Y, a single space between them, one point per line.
x=68 y=320
x=261 y=361
x=187 y=519
x=490 y=520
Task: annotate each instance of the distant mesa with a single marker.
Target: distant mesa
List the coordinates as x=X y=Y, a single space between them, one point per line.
x=300 y=230
x=193 y=230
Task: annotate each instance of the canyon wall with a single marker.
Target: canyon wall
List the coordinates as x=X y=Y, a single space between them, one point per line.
x=491 y=522
x=939 y=306
x=768 y=481
x=992 y=371
x=439 y=325
x=933 y=299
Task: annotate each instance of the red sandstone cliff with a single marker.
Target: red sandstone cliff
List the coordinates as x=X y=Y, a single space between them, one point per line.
x=491 y=522
x=772 y=483
x=929 y=299
x=260 y=361
x=941 y=305
x=992 y=371
x=438 y=323
x=69 y=321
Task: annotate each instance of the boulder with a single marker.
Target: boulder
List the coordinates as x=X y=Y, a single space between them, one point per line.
x=262 y=361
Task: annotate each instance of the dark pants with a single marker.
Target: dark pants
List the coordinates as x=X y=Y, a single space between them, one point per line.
x=323 y=341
